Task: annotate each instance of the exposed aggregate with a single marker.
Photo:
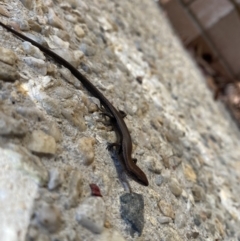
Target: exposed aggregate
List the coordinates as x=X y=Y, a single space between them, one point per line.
x=53 y=142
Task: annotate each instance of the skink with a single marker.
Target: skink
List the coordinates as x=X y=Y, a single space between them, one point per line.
x=125 y=146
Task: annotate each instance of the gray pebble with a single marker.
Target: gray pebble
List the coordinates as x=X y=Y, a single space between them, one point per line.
x=159 y=180
x=67 y=75
x=33 y=51
x=180 y=218
x=62 y=92
x=198 y=193
x=38 y=65
x=72 y=57
x=163 y=219
x=87 y=49
x=55 y=179
x=51 y=106
x=23 y=24
x=197 y=220
x=132 y=211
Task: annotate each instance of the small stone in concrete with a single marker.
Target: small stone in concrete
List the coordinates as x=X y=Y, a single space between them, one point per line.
x=175 y=187
x=132 y=211
x=42 y=143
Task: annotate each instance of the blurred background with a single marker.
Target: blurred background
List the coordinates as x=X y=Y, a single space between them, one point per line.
x=210 y=31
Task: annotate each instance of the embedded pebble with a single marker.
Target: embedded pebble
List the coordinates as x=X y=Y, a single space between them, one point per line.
x=41 y=143
x=38 y=65
x=7 y=56
x=4 y=12
x=59 y=42
x=78 y=55
x=11 y=126
x=198 y=193
x=46 y=82
x=71 y=18
x=105 y=25
x=28 y=163
x=172 y=134
x=91 y=214
x=62 y=92
x=55 y=179
x=54 y=20
x=87 y=49
x=79 y=31
x=74 y=189
x=163 y=220
x=8 y=73
x=69 y=56
x=154 y=165
x=165 y=175
x=85 y=146
x=75 y=118
x=23 y=24
x=49 y=217
x=175 y=187
x=33 y=51
x=132 y=211
x=180 y=218
x=159 y=180
x=67 y=75
x=166 y=209
x=50 y=105
x=189 y=173
x=27 y=3
x=34 y=26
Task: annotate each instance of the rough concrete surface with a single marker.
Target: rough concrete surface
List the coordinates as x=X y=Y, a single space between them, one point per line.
x=53 y=142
